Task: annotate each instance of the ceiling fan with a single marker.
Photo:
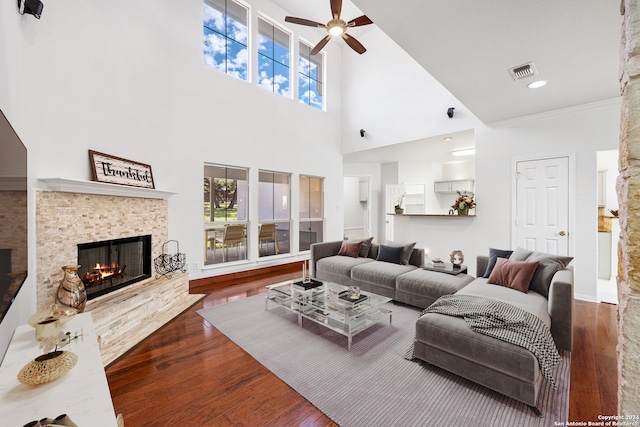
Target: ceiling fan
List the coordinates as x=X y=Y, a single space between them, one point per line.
x=335 y=27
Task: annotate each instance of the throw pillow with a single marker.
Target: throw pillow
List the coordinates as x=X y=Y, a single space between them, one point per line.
x=391 y=254
x=406 y=252
x=366 y=245
x=494 y=254
x=520 y=254
x=549 y=264
x=351 y=249
x=513 y=274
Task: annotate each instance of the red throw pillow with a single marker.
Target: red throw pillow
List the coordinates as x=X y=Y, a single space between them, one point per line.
x=351 y=249
x=513 y=274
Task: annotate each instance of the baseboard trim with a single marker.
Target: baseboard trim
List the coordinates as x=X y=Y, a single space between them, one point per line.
x=208 y=284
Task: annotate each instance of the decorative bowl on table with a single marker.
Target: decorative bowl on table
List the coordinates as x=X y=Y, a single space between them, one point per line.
x=47 y=367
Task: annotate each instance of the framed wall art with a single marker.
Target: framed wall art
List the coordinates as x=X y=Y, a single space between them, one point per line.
x=116 y=170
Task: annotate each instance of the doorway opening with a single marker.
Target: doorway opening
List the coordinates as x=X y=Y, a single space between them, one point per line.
x=357 y=207
x=608 y=226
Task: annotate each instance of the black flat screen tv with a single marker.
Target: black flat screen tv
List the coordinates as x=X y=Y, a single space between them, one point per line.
x=13 y=215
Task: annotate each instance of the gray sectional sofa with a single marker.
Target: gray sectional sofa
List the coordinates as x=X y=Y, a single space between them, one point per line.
x=404 y=283
x=448 y=342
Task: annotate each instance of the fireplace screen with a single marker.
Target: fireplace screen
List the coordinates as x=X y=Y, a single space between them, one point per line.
x=113 y=264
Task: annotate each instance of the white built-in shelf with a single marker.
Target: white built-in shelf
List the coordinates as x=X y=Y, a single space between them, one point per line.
x=82 y=393
x=432 y=215
x=101 y=188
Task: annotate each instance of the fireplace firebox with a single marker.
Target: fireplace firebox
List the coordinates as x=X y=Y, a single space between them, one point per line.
x=113 y=264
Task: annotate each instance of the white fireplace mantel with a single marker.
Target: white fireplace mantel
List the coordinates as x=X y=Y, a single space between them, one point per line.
x=101 y=188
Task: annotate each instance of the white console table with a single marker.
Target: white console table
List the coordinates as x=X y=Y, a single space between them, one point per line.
x=83 y=393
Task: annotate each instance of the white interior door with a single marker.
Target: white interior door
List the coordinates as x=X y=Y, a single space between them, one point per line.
x=542 y=205
x=393 y=192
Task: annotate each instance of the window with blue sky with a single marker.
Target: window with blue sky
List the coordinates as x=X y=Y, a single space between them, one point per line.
x=273 y=58
x=310 y=77
x=226 y=37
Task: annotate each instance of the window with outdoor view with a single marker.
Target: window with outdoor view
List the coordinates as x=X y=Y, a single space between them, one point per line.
x=226 y=37
x=273 y=58
x=225 y=213
x=274 y=212
x=310 y=77
x=311 y=211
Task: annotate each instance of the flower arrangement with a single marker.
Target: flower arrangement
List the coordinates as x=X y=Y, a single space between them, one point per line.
x=51 y=344
x=398 y=206
x=463 y=203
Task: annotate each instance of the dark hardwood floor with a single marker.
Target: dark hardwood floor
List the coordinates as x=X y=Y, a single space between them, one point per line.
x=189 y=374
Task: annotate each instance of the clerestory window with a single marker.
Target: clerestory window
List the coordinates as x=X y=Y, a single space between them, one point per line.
x=274 y=59
x=310 y=77
x=226 y=37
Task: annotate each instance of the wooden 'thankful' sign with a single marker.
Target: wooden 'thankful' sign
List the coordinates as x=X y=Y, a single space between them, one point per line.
x=115 y=170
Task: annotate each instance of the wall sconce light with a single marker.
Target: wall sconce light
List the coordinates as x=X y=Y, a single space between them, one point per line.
x=30 y=7
x=362 y=133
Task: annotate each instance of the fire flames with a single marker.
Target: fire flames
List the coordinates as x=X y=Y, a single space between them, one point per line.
x=101 y=274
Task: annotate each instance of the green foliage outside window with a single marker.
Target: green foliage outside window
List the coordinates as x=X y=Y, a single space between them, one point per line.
x=224 y=199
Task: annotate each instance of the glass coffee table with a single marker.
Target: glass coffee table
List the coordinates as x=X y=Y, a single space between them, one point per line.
x=327 y=304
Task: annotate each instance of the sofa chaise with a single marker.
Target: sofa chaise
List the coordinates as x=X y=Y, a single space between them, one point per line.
x=449 y=343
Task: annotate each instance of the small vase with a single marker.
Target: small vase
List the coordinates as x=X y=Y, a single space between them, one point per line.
x=47 y=367
x=463 y=211
x=399 y=211
x=71 y=292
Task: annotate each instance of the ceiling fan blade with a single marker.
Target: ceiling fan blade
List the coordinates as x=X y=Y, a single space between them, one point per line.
x=360 y=20
x=354 y=44
x=302 y=21
x=336 y=8
x=322 y=43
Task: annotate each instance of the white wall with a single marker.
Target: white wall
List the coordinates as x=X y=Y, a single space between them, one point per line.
x=387 y=93
x=579 y=132
x=127 y=79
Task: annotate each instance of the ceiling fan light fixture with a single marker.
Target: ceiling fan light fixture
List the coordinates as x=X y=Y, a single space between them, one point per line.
x=336 y=27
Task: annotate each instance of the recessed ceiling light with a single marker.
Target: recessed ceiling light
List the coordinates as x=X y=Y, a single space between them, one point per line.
x=447 y=138
x=537 y=84
x=464 y=152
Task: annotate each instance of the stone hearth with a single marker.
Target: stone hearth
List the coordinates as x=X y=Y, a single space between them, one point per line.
x=65 y=218
x=125 y=317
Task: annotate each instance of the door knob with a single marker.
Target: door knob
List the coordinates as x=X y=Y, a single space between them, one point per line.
x=563 y=233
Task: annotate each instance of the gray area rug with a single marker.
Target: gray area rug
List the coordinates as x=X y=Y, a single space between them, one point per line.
x=373 y=385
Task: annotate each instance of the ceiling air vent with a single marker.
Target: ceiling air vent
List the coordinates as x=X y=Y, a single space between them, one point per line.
x=523 y=71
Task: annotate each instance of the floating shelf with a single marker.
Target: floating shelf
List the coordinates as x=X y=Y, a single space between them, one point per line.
x=433 y=215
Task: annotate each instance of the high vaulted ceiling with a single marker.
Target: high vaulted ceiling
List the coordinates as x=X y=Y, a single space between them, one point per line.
x=469 y=46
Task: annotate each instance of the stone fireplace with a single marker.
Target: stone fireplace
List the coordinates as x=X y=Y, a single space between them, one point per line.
x=71 y=215
x=65 y=219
